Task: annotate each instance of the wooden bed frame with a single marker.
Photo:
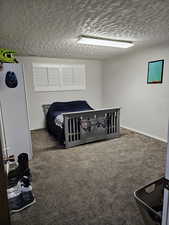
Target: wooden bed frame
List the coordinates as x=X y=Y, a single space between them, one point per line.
x=88 y=126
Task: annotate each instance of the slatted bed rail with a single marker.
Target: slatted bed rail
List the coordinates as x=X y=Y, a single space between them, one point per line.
x=87 y=126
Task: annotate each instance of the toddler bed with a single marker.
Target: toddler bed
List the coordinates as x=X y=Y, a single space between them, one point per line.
x=74 y=123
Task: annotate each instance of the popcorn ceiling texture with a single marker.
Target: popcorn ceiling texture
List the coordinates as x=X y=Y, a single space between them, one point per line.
x=51 y=27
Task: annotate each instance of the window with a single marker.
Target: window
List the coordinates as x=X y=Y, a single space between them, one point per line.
x=51 y=77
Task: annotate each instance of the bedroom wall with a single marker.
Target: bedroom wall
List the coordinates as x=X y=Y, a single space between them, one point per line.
x=144 y=108
x=93 y=93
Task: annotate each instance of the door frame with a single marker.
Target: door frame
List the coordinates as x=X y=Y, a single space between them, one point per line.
x=165 y=217
x=4 y=210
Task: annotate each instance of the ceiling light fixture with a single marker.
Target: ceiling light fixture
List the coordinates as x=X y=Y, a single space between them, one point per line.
x=104 y=42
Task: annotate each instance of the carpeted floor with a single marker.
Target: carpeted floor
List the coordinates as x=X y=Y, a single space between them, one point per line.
x=91 y=184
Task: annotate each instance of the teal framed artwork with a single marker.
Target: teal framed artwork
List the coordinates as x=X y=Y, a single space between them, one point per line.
x=155 y=72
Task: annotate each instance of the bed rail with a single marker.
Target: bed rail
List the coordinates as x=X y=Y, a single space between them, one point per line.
x=88 y=126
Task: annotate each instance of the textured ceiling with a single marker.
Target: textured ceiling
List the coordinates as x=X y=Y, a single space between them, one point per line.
x=51 y=27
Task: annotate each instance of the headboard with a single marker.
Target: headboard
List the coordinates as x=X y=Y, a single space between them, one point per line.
x=45 y=108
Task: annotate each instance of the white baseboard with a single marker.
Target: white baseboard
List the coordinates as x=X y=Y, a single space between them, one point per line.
x=146 y=134
x=128 y=128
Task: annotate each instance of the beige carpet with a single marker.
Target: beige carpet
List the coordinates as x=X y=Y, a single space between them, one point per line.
x=92 y=184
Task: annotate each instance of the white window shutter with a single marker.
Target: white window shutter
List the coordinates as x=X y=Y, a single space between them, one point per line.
x=54 y=77
x=51 y=77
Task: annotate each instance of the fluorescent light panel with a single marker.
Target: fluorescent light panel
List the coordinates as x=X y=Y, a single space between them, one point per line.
x=104 y=42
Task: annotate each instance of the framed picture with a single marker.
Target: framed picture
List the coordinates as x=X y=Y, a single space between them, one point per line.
x=155 y=72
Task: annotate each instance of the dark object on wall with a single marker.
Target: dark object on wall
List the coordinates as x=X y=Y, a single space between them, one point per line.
x=155 y=72
x=11 y=80
x=150 y=201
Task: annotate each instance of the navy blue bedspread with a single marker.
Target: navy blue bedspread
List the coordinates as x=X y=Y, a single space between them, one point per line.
x=58 y=108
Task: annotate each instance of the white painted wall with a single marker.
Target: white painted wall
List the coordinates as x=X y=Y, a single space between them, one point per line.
x=121 y=81
x=93 y=93
x=144 y=108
